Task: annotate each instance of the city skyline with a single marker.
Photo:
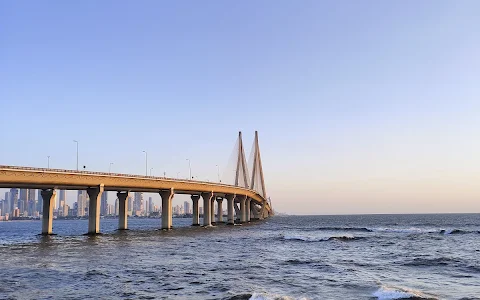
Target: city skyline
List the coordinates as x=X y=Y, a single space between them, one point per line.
x=11 y=205
x=361 y=108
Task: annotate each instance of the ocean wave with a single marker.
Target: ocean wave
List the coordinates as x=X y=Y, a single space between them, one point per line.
x=357 y=229
x=410 y=230
x=417 y=230
x=266 y=296
x=432 y=262
x=457 y=231
x=310 y=239
x=392 y=293
x=262 y=296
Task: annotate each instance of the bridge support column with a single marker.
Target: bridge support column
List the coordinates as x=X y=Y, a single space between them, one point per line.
x=167 y=196
x=122 y=210
x=254 y=212
x=212 y=210
x=231 y=216
x=247 y=209
x=196 y=216
x=48 y=197
x=243 y=209
x=263 y=210
x=207 y=203
x=237 y=209
x=95 y=195
x=219 y=210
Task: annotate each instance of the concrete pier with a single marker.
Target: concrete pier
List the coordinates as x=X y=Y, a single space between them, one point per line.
x=95 y=194
x=167 y=196
x=219 y=210
x=237 y=208
x=122 y=210
x=196 y=215
x=255 y=212
x=207 y=203
x=243 y=209
x=212 y=210
x=230 y=209
x=48 y=197
x=247 y=209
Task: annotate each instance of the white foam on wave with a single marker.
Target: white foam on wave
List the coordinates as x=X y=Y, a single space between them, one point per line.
x=404 y=230
x=392 y=293
x=265 y=296
x=309 y=238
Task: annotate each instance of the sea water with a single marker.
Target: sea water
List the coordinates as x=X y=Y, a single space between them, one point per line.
x=284 y=257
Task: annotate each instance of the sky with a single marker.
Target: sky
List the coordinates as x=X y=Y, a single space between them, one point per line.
x=361 y=106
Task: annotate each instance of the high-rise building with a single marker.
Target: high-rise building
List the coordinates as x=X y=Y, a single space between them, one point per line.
x=23 y=200
x=13 y=199
x=130 y=205
x=186 y=207
x=7 y=203
x=150 y=205
x=39 y=202
x=81 y=203
x=138 y=203
x=110 y=209
x=117 y=208
x=62 y=197
x=104 y=204
x=32 y=203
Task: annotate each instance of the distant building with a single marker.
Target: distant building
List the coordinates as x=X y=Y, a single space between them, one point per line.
x=110 y=209
x=117 y=207
x=39 y=201
x=150 y=205
x=13 y=200
x=7 y=203
x=104 y=204
x=23 y=200
x=186 y=207
x=82 y=203
x=62 y=197
x=138 y=203
x=130 y=205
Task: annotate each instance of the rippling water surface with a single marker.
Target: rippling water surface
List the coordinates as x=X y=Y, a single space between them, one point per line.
x=295 y=257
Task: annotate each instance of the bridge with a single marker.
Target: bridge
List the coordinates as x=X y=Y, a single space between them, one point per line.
x=246 y=197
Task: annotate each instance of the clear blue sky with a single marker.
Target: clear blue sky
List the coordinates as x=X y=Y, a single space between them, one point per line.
x=362 y=106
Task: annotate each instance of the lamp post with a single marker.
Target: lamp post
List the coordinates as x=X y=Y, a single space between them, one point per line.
x=146 y=162
x=151 y=171
x=77 y=152
x=110 y=167
x=218 y=173
x=48 y=161
x=190 y=169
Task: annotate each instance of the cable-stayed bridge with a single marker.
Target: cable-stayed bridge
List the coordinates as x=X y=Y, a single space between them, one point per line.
x=246 y=197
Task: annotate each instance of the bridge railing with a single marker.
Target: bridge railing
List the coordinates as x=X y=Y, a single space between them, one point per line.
x=118 y=175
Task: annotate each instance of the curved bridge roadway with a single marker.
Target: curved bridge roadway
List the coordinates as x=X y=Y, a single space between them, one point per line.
x=252 y=204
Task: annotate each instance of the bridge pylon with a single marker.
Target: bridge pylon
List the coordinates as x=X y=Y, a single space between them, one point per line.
x=241 y=171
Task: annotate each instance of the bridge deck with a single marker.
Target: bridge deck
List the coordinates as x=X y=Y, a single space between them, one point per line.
x=38 y=178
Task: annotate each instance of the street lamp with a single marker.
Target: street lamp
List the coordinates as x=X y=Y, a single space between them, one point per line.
x=77 y=152
x=48 y=161
x=110 y=168
x=190 y=168
x=151 y=171
x=218 y=173
x=146 y=162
